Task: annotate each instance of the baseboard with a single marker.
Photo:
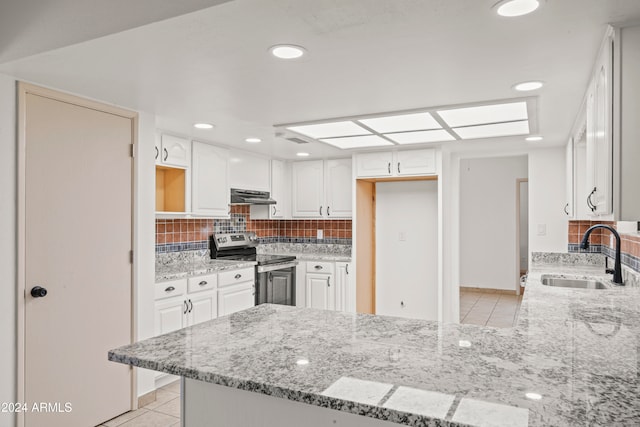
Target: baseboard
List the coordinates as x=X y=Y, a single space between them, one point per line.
x=146 y=398
x=488 y=291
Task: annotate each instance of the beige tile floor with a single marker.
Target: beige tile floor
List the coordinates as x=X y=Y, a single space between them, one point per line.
x=487 y=307
x=163 y=412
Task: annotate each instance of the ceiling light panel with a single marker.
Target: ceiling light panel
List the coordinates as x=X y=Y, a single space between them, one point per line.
x=330 y=130
x=494 y=130
x=357 y=142
x=512 y=8
x=485 y=114
x=402 y=123
x=439 y=135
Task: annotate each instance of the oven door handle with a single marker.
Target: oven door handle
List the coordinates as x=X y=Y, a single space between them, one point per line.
x=273 y=267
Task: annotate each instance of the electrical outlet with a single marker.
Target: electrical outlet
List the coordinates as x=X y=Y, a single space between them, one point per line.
x=320 y=234
x=402 y=236
x=542 y=229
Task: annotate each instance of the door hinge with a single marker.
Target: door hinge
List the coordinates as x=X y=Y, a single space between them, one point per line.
x=130 y=257
x=133 y=151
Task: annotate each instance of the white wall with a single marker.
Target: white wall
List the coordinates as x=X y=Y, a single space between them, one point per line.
x=7 y=245
x=407 y=270
x=488 y=221
x=546 y=200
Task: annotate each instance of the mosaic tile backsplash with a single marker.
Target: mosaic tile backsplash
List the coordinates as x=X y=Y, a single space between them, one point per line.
x=174 y=235
x=600 y=242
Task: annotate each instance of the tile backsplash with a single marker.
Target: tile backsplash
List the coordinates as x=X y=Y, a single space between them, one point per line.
x=601 y=241
x=192 y=234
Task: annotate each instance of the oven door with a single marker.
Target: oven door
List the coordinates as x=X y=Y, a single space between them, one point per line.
x=276 y=285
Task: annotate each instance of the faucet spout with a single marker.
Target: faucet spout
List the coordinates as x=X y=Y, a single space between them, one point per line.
x=617 y=269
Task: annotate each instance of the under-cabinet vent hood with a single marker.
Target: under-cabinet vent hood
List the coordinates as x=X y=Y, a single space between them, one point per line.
x=251 y=197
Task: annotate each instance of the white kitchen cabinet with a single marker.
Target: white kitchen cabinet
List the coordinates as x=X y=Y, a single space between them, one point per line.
x=345 y=295
x=174 y=151
x=396 y=163
x=248 y=171
x=170 y=315
x=599 y=133
x=280 y=192
x=236 y=298
x=203 y=306
x=569 y=181
x=184 y=302
x=321 y=189
x=210 y=194
x=320 y=291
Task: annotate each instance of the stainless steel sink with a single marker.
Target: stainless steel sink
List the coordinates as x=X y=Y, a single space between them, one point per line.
x=565 y=282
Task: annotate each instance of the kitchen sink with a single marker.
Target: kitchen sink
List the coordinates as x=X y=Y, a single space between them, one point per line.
x=565 y=282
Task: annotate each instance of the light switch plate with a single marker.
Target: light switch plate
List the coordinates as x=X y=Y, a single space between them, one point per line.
x=402 y=236
x=542 y=229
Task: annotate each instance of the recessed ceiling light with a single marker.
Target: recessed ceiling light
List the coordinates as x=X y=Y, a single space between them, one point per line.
x=533 y=396
x=253 y=140
x=203 y=126
x=402 y=123
x=527 y=86
x=493 y=130
x=485 y=114
x=437 y=135
x=302 y=154
x=512 y=8
x=357 y=142
x=534 y=138
x=330 y=130
x=287 y=51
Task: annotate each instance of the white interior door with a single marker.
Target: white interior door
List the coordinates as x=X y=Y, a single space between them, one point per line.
x=77 y=240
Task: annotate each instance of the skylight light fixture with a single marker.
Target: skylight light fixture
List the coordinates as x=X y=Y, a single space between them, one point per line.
x=528 y=86
x=485 y=114
x=357 y=142
x=402 y=123
x=287 y=51
x=513 y=8
x=438 y=135
x=203 y=126
x=330 y=130
x=493 y=130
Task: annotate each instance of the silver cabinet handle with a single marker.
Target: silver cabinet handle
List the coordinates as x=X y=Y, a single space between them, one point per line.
x=329 y=281
x=186 y=307
x=237 y=276
x=346 y=268
x=398 y=167
x=328 y=211
x=589 y=202
x=565 y=209
x=318 y=267
x=320 y=211
x=166 y=154
x=204 y=282
x=389 y=167
x=170 y=289
x=190 y=306
x=274 y=209
x=157 y=152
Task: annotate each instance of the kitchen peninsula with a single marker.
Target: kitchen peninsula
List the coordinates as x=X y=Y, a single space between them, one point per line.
x=572 y=359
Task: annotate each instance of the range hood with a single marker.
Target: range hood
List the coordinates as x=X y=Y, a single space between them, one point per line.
x=251 y=197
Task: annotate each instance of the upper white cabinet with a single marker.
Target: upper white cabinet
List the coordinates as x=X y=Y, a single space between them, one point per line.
x=280 y=192
x=600 y=133
x=174 y=151
x=210 y=180
x=396 y=163
x=569 y=158
x=248 y=171
x=321 y=189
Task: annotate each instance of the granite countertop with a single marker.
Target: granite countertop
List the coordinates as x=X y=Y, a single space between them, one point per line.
x=179 y=270
x=316 y=256
x=572 y=359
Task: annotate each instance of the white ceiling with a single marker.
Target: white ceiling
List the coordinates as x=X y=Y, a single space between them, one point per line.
x=364 y=57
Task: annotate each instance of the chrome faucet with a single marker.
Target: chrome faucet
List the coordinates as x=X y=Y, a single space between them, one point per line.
x=617 y=268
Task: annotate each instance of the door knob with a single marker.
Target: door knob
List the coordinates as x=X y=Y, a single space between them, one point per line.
x=38 y=292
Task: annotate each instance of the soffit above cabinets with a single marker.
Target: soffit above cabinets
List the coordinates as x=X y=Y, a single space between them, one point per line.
x=494 y=119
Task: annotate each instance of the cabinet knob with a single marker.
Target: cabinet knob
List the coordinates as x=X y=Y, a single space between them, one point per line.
x=204 y=282
x=237 y=276
x=318 y=267
x=169 y=289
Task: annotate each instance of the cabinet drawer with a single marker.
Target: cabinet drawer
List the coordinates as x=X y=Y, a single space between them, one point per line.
x=171 y=288
x=202 y=283
x=226 y=278
x=320 y=267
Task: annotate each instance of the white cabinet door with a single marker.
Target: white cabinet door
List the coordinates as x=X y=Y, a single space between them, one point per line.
x=236 y=298
x=210 y=183
x=174 y=151
x=320 y=291
x=279 y=191
x=308 y=189
x=203 y=306
x=248 y=171
x=570 y=173
x=345 y=296
x=170 y=315
x=338 y=188
x=374 y=164
x=415 y=162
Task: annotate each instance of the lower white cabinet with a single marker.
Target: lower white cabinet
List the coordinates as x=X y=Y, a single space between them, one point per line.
x=203 y=306
x=328 y=286
x=170 y=315
x=320 y=291
x=236 y=298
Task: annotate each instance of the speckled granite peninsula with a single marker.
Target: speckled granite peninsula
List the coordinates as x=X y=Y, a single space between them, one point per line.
x=572 y=360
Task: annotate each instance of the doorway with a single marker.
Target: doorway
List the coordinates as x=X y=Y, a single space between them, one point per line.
x=522 y=234
x=75 y=253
